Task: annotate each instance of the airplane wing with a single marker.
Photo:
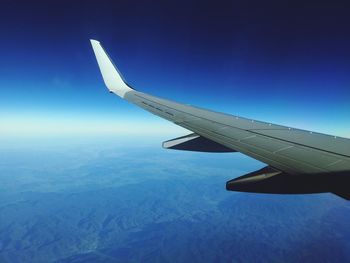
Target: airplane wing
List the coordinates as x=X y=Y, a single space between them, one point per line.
x=298 y=161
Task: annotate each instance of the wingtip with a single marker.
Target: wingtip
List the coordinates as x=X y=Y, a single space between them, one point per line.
x=94 y=41
x=111 y=76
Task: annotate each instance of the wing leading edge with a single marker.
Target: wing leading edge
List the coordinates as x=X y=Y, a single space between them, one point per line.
x=287 y=150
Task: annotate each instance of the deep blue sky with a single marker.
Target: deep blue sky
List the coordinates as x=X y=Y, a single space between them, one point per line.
x=279 y=61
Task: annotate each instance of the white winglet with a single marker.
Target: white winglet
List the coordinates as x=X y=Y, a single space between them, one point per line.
x=110 y=74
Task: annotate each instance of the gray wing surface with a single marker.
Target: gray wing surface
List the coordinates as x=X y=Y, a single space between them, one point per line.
x=286 y=149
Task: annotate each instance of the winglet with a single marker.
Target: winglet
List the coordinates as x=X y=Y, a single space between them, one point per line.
x=112 y=78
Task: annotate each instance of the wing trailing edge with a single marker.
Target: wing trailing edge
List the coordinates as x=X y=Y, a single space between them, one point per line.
x=196 y=143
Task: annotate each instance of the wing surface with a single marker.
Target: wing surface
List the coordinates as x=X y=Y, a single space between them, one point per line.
x=287 y=149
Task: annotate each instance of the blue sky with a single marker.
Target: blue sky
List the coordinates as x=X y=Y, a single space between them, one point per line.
x=275 y=61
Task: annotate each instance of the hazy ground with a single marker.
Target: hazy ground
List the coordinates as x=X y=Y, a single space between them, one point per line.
x=99 y=201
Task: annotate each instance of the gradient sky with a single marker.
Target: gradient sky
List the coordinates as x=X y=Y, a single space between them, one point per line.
x=279 y=61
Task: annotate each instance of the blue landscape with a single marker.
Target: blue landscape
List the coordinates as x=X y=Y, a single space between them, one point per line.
x=83 y=176
x=104 y=201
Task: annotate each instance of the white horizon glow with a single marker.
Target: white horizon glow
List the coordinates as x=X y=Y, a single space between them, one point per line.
x=36 y=125
x=50 y=124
